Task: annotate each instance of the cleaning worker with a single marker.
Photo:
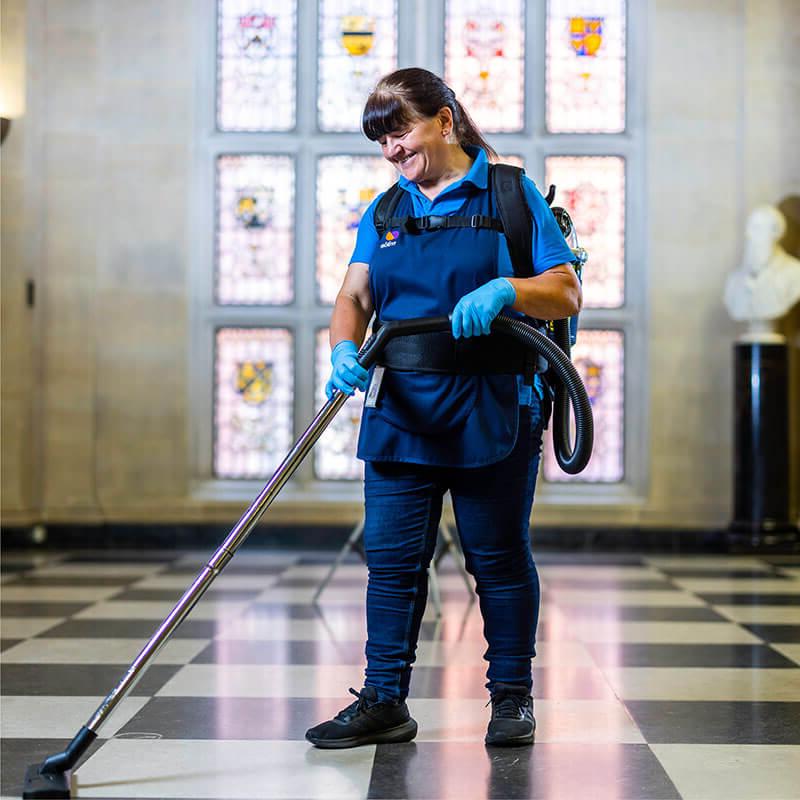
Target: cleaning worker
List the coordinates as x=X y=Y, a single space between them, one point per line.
x=429 y=430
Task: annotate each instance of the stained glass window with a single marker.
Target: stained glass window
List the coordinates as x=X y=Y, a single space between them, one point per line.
x=253 y=398
x=335 y=452
x=585 y=66
x=357 y=45
x=592 y=189
x=255 y=216
x=484 y=60
x=346 y=185
x=599 y=358
x=256 y=47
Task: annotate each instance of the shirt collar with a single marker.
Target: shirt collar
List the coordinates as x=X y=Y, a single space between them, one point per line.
x=478 y=174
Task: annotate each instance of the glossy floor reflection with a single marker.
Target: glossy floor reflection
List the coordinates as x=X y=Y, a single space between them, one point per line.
x=655 y=678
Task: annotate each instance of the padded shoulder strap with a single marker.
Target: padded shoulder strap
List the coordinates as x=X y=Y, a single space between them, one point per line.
x=506 y=182
x=384 y=211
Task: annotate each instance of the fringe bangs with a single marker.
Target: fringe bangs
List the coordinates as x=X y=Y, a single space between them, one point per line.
x=383 y=114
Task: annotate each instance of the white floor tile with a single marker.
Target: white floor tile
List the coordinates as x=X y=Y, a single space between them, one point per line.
x=661 y=632
x=235 y=770
x=611 y=598
x=690 y=561
x=738 y=585
x=23 y=627
x=98 y=651
x=204 y=610
x=293 y=630
x=42 y=717
x=732 y=772
x=182 y=582
x=262 y=680
x=698 y=683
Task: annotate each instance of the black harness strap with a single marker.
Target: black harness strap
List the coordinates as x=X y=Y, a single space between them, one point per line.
x=516 y=216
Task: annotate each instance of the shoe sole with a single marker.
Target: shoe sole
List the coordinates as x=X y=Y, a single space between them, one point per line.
x=512 y=741
x=402 y=733
x=516 y=741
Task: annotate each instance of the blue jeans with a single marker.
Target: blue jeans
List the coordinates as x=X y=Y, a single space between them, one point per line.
x=492 y=507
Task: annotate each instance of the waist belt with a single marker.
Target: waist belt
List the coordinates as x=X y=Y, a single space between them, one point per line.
x=439 y=352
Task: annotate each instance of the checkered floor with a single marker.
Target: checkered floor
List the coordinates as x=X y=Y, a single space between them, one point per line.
x=656 y=678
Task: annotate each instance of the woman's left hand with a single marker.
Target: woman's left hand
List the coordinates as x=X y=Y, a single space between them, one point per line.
x=474 y=312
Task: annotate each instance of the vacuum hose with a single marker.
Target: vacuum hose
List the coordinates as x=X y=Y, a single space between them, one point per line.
x=569 y=386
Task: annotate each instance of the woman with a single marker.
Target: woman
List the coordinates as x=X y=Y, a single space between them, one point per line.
x=425 y=433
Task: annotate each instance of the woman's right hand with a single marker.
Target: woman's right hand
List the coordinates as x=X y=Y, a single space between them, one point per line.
x=347 y=374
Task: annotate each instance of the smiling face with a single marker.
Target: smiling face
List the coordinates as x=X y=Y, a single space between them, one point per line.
x=420 y=151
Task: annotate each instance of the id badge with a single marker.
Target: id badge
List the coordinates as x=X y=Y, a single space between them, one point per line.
x=374 y=387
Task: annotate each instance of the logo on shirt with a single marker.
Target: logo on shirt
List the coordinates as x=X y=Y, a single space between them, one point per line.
x=390 y=240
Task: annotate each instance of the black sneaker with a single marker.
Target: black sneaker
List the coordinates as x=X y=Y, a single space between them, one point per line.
x=366 y=721
x=512 y=720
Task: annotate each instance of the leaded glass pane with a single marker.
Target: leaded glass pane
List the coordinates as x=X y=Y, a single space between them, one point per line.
x=585 y=66
x=335 y=452
x=256 y=48
x=346 y=185
x=484 y=60
x=253 y=397
x=599 y=357
x=357 y=45
x=255 y=217
x=592 y=189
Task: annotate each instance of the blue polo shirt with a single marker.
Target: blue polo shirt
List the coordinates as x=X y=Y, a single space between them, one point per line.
x=548 y=246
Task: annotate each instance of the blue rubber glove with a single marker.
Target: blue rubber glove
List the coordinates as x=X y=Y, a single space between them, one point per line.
x=474 y=312
x=347 y=375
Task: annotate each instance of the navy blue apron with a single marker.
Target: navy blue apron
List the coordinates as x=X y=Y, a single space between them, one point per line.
x=425 y=418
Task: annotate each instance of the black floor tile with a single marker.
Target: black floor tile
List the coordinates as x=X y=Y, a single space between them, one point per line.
x=17 y=754
x=234 y=717
x=445 y=770
x=15 y=567
x=576 y=683
x=232 y=651
x=127 y=629
x=48 y=581
x=234 y=568
x=645 y=585
x=778 y=634
x=733 y=574
x=750 y=598
x=124 y=557
x=717 y=723
x=310 y=583
x=78 y=679
x=644 y=613
x=15 y=608
x=589 y=558
x=689 y=655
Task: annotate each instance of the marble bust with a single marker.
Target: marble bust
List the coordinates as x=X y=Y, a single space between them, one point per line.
x=766 y=284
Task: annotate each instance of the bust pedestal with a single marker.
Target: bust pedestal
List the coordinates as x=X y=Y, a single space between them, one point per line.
x=761 y=443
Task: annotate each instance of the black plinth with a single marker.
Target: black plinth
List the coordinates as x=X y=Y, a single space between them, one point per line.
x=762 y=477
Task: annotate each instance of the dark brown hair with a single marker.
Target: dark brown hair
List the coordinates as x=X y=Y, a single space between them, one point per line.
x=407 y=95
